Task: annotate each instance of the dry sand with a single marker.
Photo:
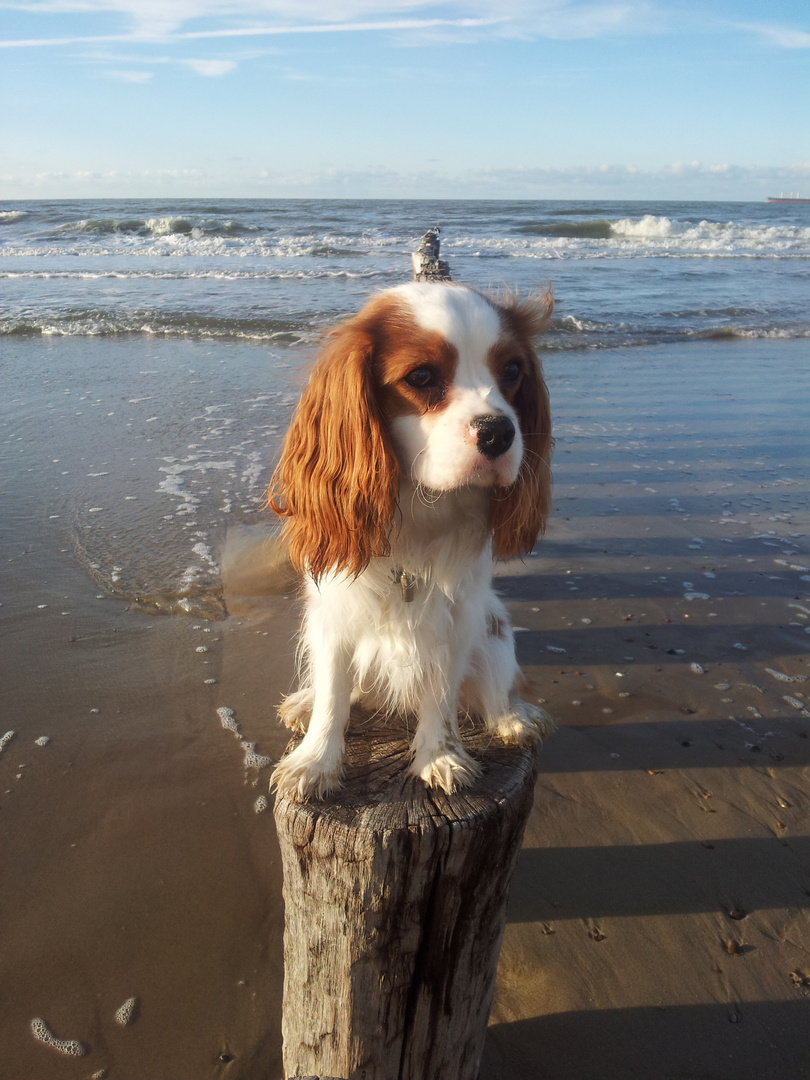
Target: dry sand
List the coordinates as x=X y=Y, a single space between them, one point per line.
x=659 y=924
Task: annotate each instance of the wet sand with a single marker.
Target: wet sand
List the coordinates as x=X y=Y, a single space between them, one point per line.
x=659 y=923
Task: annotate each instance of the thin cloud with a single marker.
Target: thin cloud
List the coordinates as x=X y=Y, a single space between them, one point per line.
x=251 y=31
x=675 y=180
x=589 y=20
x=131 y=76
x=163 y=20
x=211 y=69
x=786 y=37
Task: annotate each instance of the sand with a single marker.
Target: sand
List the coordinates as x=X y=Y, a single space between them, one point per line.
x=659 y=924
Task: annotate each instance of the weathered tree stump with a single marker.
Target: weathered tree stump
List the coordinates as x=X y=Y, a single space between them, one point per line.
x=395 y=898
x=427 y=266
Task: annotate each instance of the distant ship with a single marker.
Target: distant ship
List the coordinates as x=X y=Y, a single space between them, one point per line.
x=792 y=200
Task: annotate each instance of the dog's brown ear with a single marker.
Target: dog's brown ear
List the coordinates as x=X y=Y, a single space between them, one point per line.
x=518 y=514
x=337 y=481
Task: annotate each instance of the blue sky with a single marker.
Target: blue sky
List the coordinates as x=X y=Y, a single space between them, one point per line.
x=402 y=98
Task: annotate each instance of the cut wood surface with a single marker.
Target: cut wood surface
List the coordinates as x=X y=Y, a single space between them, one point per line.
x=395 y=905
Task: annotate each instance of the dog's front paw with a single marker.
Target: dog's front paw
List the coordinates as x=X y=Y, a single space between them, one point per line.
x=446 y=769
x=301 y=775
x=524 y=724
x=296 y=709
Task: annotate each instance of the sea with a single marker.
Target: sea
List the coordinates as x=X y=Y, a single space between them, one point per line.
x=624 y=273
x=152 y=350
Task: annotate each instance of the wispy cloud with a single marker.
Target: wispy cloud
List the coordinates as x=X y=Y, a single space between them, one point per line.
x=169 y=21
x=694 y=179
x=184 y=20
x=582 y=20
x=164 y=37
x=131 y=76
x=786 y=37
x=210 y=68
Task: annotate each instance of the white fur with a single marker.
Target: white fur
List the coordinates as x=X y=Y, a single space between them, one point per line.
x=451 y=646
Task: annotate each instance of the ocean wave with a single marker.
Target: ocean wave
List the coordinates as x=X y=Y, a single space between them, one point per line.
x=710 y=237
x=173 y=239
x=92 y=323
x=279 y=273
x=201 y=236
x=167 y=225
x=571 y=334
x=568 y=331
x=647 y=235
x=194 y=273
x=756 y=333
x=647 y=227
x=8 y=217
x=569 y=324
x=596 y=229
x=200 y=225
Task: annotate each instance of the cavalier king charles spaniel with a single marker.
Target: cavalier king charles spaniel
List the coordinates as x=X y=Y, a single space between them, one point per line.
x=419 y=452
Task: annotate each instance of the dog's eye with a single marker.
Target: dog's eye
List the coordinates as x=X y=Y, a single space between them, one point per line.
x=422 y=378
x=510 y=373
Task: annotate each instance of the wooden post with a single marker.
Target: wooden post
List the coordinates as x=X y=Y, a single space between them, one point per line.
x=427 y=266
x=395 y=899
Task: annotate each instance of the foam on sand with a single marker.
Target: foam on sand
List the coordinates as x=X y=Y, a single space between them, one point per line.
x=127 y=1013
x=226 y=718
x=253 y=760
x=69 y=1047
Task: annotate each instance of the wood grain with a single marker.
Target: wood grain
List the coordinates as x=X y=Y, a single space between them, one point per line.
x=395 y=904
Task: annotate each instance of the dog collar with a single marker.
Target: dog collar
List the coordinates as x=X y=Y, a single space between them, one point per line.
x=407 y=583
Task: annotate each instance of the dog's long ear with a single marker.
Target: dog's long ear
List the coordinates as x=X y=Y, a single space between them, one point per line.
x=337 y=481
x=519 y=513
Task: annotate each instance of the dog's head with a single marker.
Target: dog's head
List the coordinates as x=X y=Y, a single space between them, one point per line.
x=432 y=385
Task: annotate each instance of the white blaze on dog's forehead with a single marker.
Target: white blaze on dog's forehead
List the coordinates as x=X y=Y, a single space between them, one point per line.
x=460 y=315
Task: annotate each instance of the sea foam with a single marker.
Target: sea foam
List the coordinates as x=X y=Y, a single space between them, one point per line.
x=69 y=1047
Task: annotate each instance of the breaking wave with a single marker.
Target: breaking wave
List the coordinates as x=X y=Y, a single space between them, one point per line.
x=660 y=235
x=95 y=323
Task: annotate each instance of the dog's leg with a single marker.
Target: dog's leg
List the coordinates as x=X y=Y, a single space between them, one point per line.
x=438 y=756
x=296 y=709
x=315 y=766
x=522 y=723
x=489 y=688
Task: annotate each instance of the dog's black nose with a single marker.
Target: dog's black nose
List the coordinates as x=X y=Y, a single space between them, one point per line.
x=495 y=435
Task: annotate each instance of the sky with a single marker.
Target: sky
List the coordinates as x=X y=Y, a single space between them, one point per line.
x=650 y=99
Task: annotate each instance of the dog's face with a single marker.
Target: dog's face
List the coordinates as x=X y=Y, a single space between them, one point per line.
x=449 y=383
x=430 y=384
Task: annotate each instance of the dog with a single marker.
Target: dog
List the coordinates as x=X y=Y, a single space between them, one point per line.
x=418 y=453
